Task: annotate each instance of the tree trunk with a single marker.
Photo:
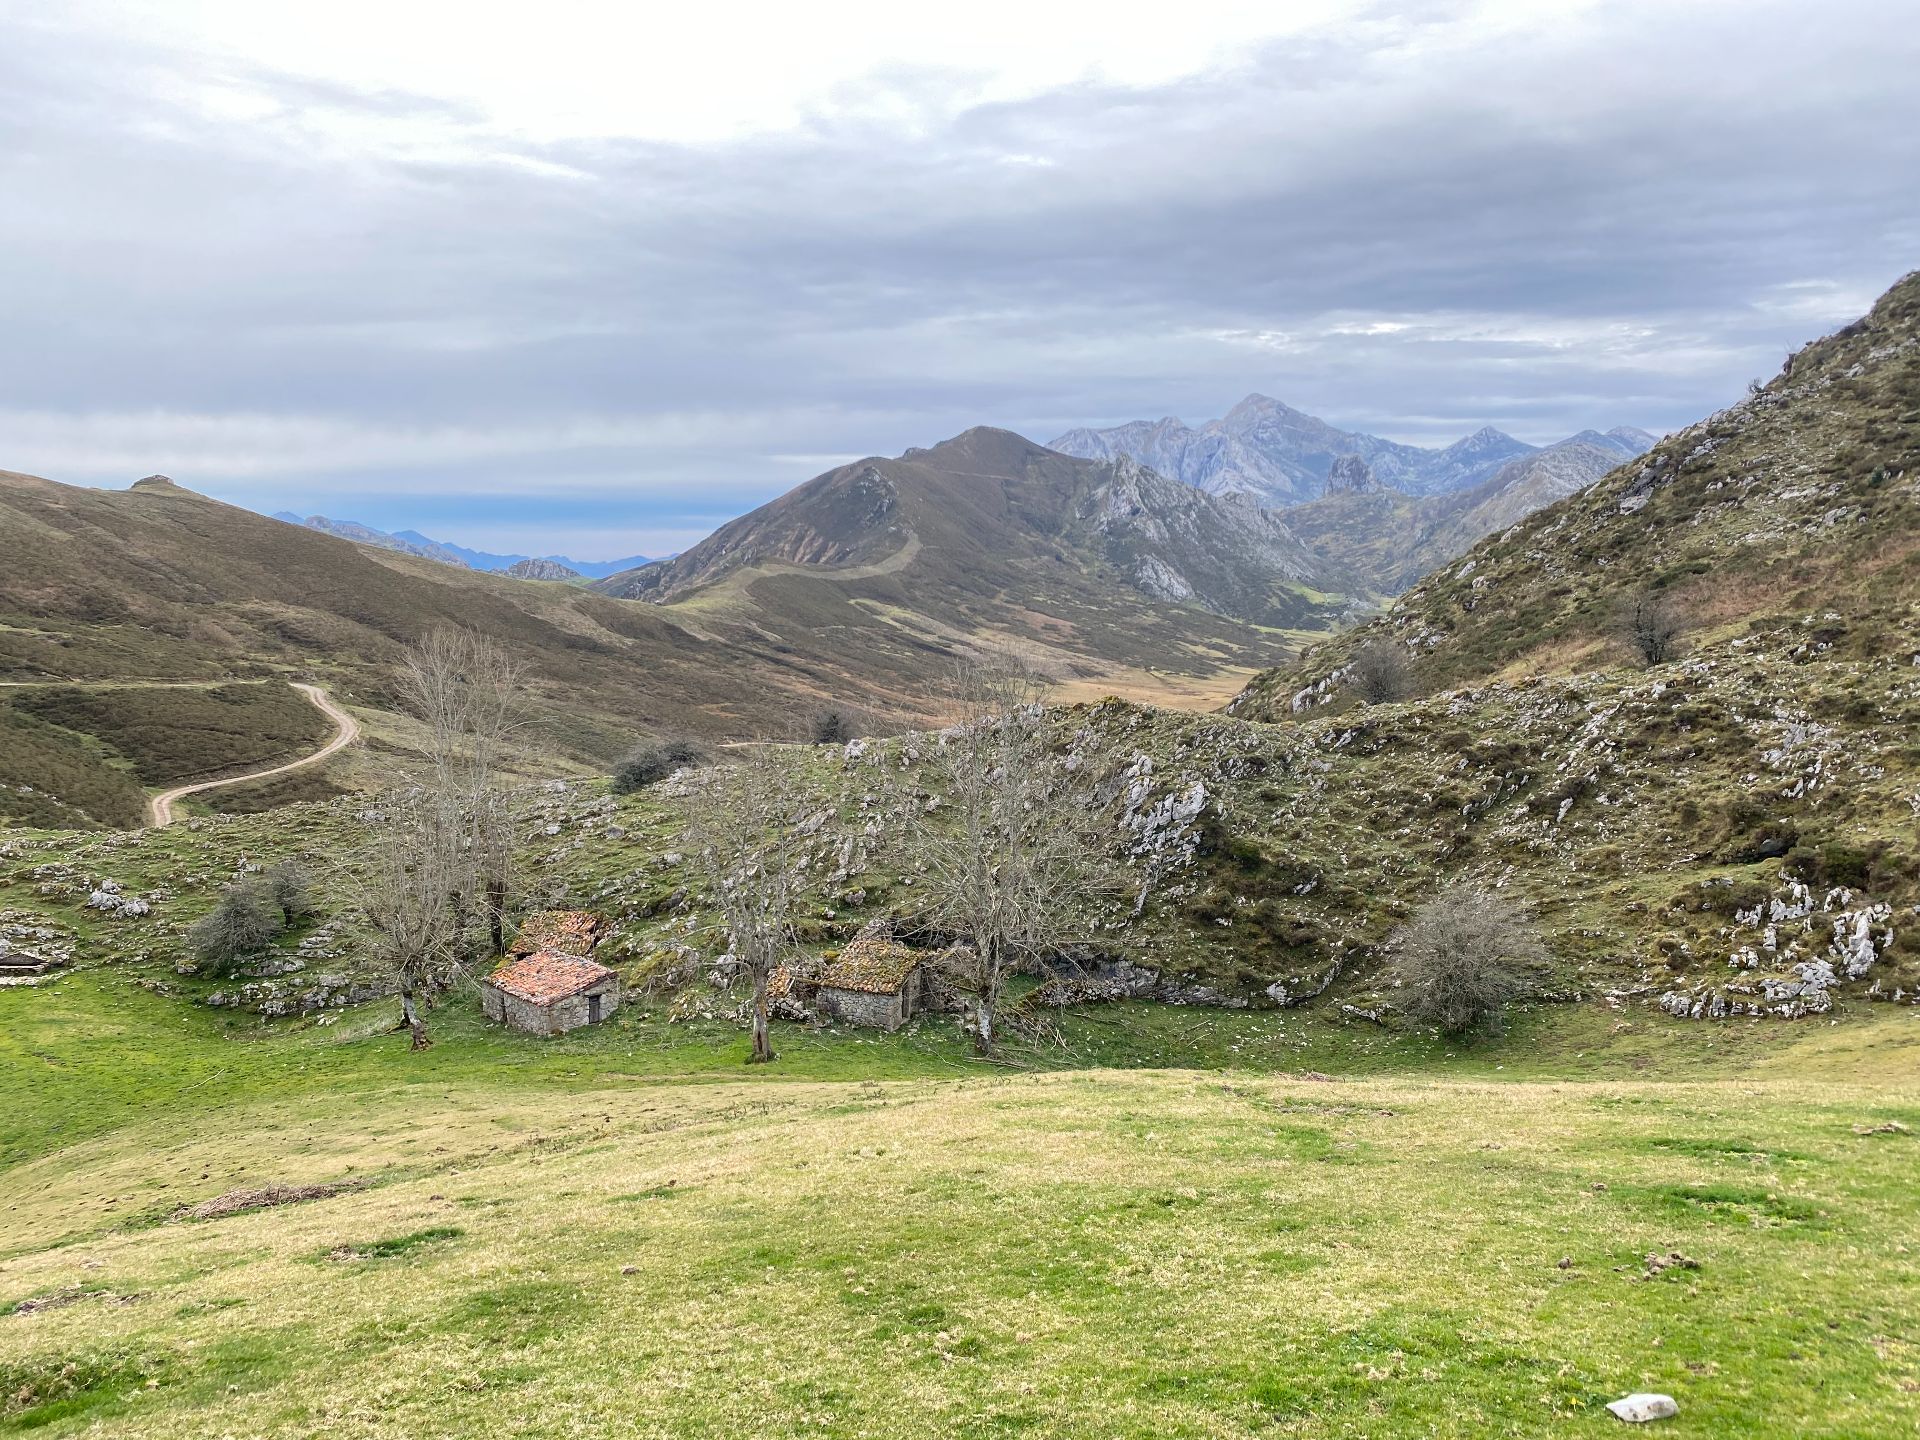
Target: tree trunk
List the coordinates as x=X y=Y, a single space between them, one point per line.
x=497 y=913
x=762 y=1042
x=983 y=1035
x=415 y=1021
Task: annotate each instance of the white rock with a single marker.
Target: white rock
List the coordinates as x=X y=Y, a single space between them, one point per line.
x=1636 y=1409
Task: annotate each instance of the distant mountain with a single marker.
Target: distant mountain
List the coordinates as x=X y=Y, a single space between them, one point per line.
x=366 y=535
x=981 y=532
x=1282 y=456
x=412 y=542
x=540 y=570
x=1386 y=541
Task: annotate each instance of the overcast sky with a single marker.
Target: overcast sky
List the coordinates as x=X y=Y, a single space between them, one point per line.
x=591 y=278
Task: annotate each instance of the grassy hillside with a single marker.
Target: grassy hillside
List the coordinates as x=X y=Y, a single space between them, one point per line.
x=622 y=1232
x=85 y=755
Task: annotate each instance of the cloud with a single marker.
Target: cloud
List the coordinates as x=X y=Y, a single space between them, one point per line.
x=243 y=251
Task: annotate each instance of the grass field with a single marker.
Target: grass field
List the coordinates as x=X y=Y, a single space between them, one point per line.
x=626 y=1232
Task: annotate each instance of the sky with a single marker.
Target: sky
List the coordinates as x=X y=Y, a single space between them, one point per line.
x=591 y=278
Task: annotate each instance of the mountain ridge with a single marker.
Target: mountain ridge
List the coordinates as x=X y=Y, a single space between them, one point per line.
x=1281 y=455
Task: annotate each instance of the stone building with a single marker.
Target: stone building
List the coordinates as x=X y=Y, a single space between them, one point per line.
x=875 y=981
x=549 y=994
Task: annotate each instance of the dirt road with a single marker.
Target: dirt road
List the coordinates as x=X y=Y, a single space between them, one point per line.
x=160 y=807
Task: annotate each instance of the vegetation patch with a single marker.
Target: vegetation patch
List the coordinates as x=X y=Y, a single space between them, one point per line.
x=397 y=1246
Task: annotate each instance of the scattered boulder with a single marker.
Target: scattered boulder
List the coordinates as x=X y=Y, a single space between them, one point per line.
x=1639 y=1408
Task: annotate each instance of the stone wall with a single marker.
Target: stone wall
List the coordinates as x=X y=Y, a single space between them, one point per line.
x=858 y=1007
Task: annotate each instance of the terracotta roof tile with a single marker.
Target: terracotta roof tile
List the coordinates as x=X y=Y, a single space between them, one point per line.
x=545 y=977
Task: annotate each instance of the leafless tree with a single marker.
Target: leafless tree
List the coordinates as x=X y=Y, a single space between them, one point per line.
x=1463 y=957
x=1650 y=623
x=466 y=689
x=412 y=879
x=291 y=889
x=1379 y=674
x=1008 y=857
x=747 y=834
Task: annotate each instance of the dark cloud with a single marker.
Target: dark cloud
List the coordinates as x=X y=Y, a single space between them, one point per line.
x=289 y=290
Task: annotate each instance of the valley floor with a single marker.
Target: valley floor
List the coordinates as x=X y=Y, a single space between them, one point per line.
x=626 y=1232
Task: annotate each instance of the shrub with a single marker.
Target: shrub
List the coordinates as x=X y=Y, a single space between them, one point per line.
x=1462 y=958
x=242 y=924
x=1649 y=623
x=1379 y=673
x=832 y=727
x=654 y=761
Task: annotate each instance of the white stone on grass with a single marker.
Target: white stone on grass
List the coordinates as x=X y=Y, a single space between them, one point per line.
x=1637 y=1409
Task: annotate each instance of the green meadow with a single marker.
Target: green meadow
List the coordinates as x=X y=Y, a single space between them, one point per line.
x=1165 y=1223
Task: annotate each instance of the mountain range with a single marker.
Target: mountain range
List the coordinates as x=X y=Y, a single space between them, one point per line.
x=412 y=542
x=1282 y=456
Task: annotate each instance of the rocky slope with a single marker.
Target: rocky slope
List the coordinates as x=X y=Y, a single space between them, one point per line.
x=1386 y=541
x=1735 y=829
x=1283 y=457
x=966 y=526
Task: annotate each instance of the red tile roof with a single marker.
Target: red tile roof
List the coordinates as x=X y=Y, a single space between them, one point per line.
x=546 y=977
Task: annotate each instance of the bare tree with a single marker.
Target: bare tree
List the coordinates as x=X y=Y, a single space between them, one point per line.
x=466 y=689
x=291 y=889
x=1008 y=855
x=412 y=878
x=1463 y=957
x=1650 y=622
x=747 y=835
x=1379 y=673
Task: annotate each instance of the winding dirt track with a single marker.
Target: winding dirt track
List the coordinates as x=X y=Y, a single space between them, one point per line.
x=160 y=807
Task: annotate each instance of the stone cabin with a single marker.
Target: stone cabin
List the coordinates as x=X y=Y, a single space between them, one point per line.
x=875 y=981
x=549 y=994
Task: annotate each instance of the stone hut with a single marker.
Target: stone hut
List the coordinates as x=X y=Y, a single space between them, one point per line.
x=549 y=994
x=875 y=981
